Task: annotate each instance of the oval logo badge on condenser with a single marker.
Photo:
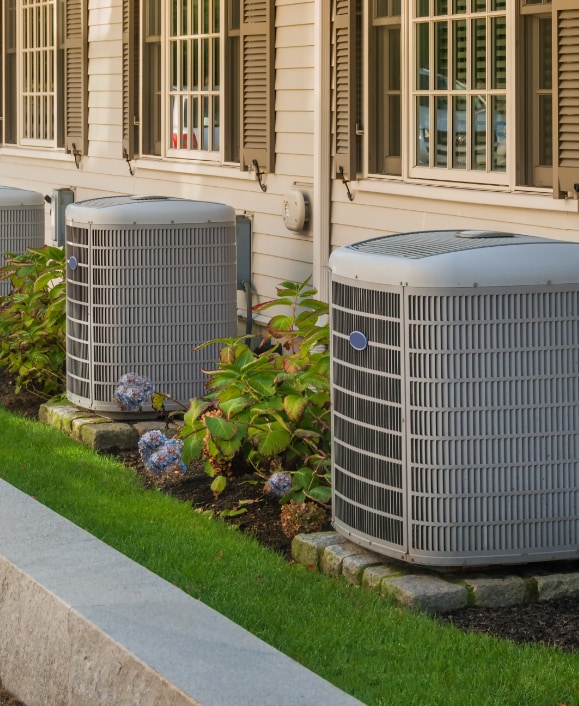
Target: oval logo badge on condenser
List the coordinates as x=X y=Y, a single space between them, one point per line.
x=358 y=340
x=72 y=262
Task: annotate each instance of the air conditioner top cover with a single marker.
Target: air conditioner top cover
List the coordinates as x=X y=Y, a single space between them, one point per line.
x=147 y=210
x=458 y=258
x=11 y=197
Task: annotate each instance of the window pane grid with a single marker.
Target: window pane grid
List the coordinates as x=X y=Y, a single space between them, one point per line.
x=38 y=97
x=194 y=94
x=461 y=112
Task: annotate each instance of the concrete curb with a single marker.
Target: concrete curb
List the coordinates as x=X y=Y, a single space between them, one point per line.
x=83 y=625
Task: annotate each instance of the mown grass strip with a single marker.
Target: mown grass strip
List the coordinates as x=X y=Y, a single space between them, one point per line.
x=383 y=655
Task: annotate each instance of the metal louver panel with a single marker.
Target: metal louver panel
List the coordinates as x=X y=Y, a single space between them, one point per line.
x=566 y=48
x=140 y=298
x=21 y=225
x=493 y=410
x=367 y=420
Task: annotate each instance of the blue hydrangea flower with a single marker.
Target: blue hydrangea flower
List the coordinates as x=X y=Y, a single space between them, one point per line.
x=132 y=392
x=167 y=458
x=150 y=442
x=160 y=454
x=279 y=484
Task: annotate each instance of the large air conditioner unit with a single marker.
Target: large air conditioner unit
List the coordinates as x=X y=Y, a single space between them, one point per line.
x=148 y=279
x=21 y=224
x=455 y=373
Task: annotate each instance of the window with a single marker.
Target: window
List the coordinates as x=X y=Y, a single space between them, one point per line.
x=44 y=72
x=459 y=91
x=459 y=85
x=206 y=84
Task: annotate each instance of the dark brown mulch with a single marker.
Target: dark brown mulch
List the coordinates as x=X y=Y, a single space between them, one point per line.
x=551 y=622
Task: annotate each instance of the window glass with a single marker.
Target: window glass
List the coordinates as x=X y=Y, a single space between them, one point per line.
x=461 y=119
x=38 y=66
x=194 y=93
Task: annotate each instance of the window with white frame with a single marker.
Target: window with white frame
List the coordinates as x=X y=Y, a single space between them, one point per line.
x=461 y=91
x=44 y=77
x=206 y=84
x=38 y=71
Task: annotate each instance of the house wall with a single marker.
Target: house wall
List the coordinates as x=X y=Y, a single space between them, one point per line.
x=278 y=253
x=379 y=206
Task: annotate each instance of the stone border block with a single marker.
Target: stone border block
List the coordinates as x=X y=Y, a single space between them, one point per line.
x=373 y=576
x=306 y=548
x=427 y=593
x=499 y=591
x=353 y=566
x=104 y=435
x=557 y=585
x=332 y=557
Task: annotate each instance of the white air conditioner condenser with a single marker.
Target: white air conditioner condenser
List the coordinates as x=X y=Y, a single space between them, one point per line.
x=21 y=224
x=149 y=279
x=455 y=397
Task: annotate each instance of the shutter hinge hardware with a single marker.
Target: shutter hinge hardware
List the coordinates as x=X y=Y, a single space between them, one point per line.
x=128 y=160
x=77 y=154
x=258 y=176
x=345 y=182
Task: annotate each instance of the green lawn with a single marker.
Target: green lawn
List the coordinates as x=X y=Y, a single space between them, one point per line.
x=378 y=652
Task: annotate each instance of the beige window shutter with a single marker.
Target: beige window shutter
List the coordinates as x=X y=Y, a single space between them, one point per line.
x=75 y=76
x=2 y=97
x=130 y=48
x=345 y=89
x=257 y=110
x=566 y=96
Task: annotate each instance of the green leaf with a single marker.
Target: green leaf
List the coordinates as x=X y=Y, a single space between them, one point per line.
x=295 y=406
x=208 y=468
x=273 y=441
x=158 y=400
x=304 y=478
x=221 y=428
x=291 y=364
x=191 y=449
x=233 y=406
x=321 y=493
x=262 y=386
x=219 y=484
x=196 y=408
x=307 y=434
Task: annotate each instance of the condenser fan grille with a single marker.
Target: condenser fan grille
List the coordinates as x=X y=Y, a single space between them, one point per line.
x=20 y=228
x=140 y=299
x=367 y=425
x=456 y=422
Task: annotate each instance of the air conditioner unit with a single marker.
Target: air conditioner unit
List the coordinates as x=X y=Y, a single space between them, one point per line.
x=21 y=224
x=148 y=279
x=455 y=373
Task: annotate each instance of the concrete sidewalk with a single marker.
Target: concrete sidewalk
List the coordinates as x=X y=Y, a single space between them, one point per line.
x=83 y=625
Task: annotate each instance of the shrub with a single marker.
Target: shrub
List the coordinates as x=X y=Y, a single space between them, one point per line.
x=270 y=407
x=33 y=320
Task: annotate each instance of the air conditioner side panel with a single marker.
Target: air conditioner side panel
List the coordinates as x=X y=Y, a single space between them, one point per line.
x=369 y=483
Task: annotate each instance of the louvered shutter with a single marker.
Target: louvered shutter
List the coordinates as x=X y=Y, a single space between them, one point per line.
x=257 y=84
x=566 y=96
x=130 y=47
x=75 y=76
x=345 y=89
x=2 y=80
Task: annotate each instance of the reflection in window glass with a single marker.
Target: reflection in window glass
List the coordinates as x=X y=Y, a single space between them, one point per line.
x=194 y=104
x=461 y=86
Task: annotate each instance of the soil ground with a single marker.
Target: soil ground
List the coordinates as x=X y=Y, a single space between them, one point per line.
x=551 y=622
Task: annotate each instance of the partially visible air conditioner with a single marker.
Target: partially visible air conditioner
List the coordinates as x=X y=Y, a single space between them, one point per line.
x=455 y=374
x=148 y=279
x=21 y=224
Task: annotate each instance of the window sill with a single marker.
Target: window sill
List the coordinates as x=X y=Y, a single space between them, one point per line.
x=56 y=154
x=528 y=198
x=181 y=166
